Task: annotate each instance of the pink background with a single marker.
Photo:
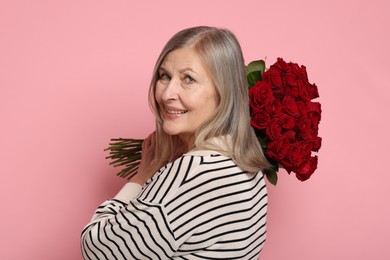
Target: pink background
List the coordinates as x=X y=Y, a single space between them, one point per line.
x=74 y=74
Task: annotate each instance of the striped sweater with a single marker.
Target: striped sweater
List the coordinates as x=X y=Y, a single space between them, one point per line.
x=201 y=206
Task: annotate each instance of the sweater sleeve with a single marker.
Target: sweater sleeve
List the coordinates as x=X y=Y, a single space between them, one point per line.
x=133 y=230
x=128 y=192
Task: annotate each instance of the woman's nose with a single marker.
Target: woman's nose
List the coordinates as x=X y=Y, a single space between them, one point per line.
x=170 y=91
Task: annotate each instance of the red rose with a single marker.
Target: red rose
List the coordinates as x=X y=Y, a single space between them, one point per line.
x=314 y=113
x=292 y=90
x=296 y=72
x=290 y=106
x=280 y=64
x=302 y=108
x=303 y=90
x=290 y=81
x=305 y=131
x=290 y=135
x=260 y=119
x=287 y=121
x=298 y=152
x=272 y=77
x=313 y=91
x=317 y=142
x=278 y=149
x=274 y=108
x=274 y=129
x=299 y=71
x=307 y=168
x=260 y=95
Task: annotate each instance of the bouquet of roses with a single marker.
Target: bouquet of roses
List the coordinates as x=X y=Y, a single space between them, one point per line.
x=283 y=115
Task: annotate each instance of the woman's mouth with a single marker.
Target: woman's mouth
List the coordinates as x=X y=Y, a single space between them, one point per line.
x=176 y=112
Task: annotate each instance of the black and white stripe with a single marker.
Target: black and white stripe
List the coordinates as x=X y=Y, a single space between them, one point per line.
x=197 y=207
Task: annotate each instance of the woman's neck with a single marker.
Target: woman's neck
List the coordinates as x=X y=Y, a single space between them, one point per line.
x=188 y=142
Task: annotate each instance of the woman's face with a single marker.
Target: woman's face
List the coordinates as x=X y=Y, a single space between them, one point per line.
x=185 y=93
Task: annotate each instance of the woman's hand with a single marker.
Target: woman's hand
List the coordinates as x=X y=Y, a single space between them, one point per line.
x=148 y=155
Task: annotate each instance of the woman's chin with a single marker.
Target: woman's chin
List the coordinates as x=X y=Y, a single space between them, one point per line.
x=170 y=130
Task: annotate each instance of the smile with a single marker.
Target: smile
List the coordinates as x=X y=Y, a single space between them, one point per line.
x=176 y=112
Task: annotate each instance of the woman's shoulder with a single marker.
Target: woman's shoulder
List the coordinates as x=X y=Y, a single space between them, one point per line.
x=193 y=168
x=200 y=161
x=206 y=159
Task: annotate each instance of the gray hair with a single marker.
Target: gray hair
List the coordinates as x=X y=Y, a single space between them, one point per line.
x=220 y=51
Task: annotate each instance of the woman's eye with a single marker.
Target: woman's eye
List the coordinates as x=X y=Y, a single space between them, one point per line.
x=164 y=76
x=189 y=79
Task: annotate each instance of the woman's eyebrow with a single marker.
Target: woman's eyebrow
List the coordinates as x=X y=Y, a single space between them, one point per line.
x=188 y=69
x=181 y=71
x=161 y=68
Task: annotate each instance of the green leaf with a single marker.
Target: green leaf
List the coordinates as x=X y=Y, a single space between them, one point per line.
x=271 y=176
x=253 y=77
x=257 y=65
x=254 y=71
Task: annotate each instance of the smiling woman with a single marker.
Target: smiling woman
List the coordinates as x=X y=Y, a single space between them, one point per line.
x=185 y=94
x=199 y=192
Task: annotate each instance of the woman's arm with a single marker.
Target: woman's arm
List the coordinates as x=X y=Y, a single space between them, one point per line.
x=134 y=230
x=128 y=228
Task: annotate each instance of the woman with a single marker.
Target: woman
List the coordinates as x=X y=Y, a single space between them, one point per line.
x=199 y=192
